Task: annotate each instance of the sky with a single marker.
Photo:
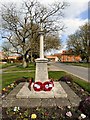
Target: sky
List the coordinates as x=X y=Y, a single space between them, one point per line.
x=74 y=16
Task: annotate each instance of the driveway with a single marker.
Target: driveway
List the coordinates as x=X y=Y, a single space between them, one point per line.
x=78 y=71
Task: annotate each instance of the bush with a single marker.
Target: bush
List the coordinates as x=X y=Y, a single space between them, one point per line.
x=21 y=80
x=84 y=106
x=66 y=78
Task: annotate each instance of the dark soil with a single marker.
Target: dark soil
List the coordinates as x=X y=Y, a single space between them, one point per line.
x=79 y=90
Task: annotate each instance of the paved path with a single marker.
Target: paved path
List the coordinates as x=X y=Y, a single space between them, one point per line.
x=21 y=71
x=78 y=71
x=4 y=69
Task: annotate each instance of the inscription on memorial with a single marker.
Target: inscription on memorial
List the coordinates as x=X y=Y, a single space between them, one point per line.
x=41 y=70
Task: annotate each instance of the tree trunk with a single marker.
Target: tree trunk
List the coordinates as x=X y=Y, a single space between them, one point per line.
x=25 y=64
x=31 y=57
x=87 y=59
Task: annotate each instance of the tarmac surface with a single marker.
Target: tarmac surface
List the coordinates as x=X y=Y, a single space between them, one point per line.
x=77 y=71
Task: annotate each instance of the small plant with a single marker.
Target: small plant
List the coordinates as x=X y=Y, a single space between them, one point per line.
x=66 y=78
x=84 y=106
x=7 y=89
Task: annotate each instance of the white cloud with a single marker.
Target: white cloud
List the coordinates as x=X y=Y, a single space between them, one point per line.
x=76 y=8
x=73 y=24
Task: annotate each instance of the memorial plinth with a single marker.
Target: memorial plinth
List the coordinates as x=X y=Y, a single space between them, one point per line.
x=56 y=92
x=41 y=70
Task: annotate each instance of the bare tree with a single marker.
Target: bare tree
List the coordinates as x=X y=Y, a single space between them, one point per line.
x=21 y=26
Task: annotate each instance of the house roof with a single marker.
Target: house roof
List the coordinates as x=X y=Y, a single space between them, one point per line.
x=13 y=57
x=51 y=56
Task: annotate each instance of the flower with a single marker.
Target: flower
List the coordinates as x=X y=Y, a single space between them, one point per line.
x=46 y=114
x=68 y=107
x=68 y=82
x=3 y=96
x=33 y=116
x=12 y=85
x=84 y=106
x=20 y=113
x=8 y=86
x=82 y=90
x=16 y=109
x=83 y=116
x=69 y=114
x=4 y=89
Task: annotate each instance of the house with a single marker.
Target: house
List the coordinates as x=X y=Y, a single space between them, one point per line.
x=13 y=58
x=65 y=56
x=68 y=56
x=4 y=58
x=52 y=58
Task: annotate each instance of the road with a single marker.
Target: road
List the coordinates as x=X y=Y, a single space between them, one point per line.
x=78 y=71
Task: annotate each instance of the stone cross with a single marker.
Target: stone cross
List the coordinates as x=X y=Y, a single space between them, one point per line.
x=41 y=42
x=41 y=63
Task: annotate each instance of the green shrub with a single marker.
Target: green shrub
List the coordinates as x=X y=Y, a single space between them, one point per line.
x=84 y=106
x=21 y=80
x=66 y=78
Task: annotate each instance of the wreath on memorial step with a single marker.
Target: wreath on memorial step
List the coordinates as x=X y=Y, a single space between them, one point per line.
x=38 y=86
x=47 y=86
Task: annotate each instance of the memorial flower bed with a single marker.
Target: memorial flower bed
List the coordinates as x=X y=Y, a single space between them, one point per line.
x=8 y=89
x=56 y=113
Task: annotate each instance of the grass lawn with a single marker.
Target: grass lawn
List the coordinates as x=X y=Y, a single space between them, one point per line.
x=85 y=85
x=20 y=68
x=8 y=78
x=79 y=64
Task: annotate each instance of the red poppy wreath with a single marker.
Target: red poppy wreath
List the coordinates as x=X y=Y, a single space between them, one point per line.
x=37 y=86
x=46 y=86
